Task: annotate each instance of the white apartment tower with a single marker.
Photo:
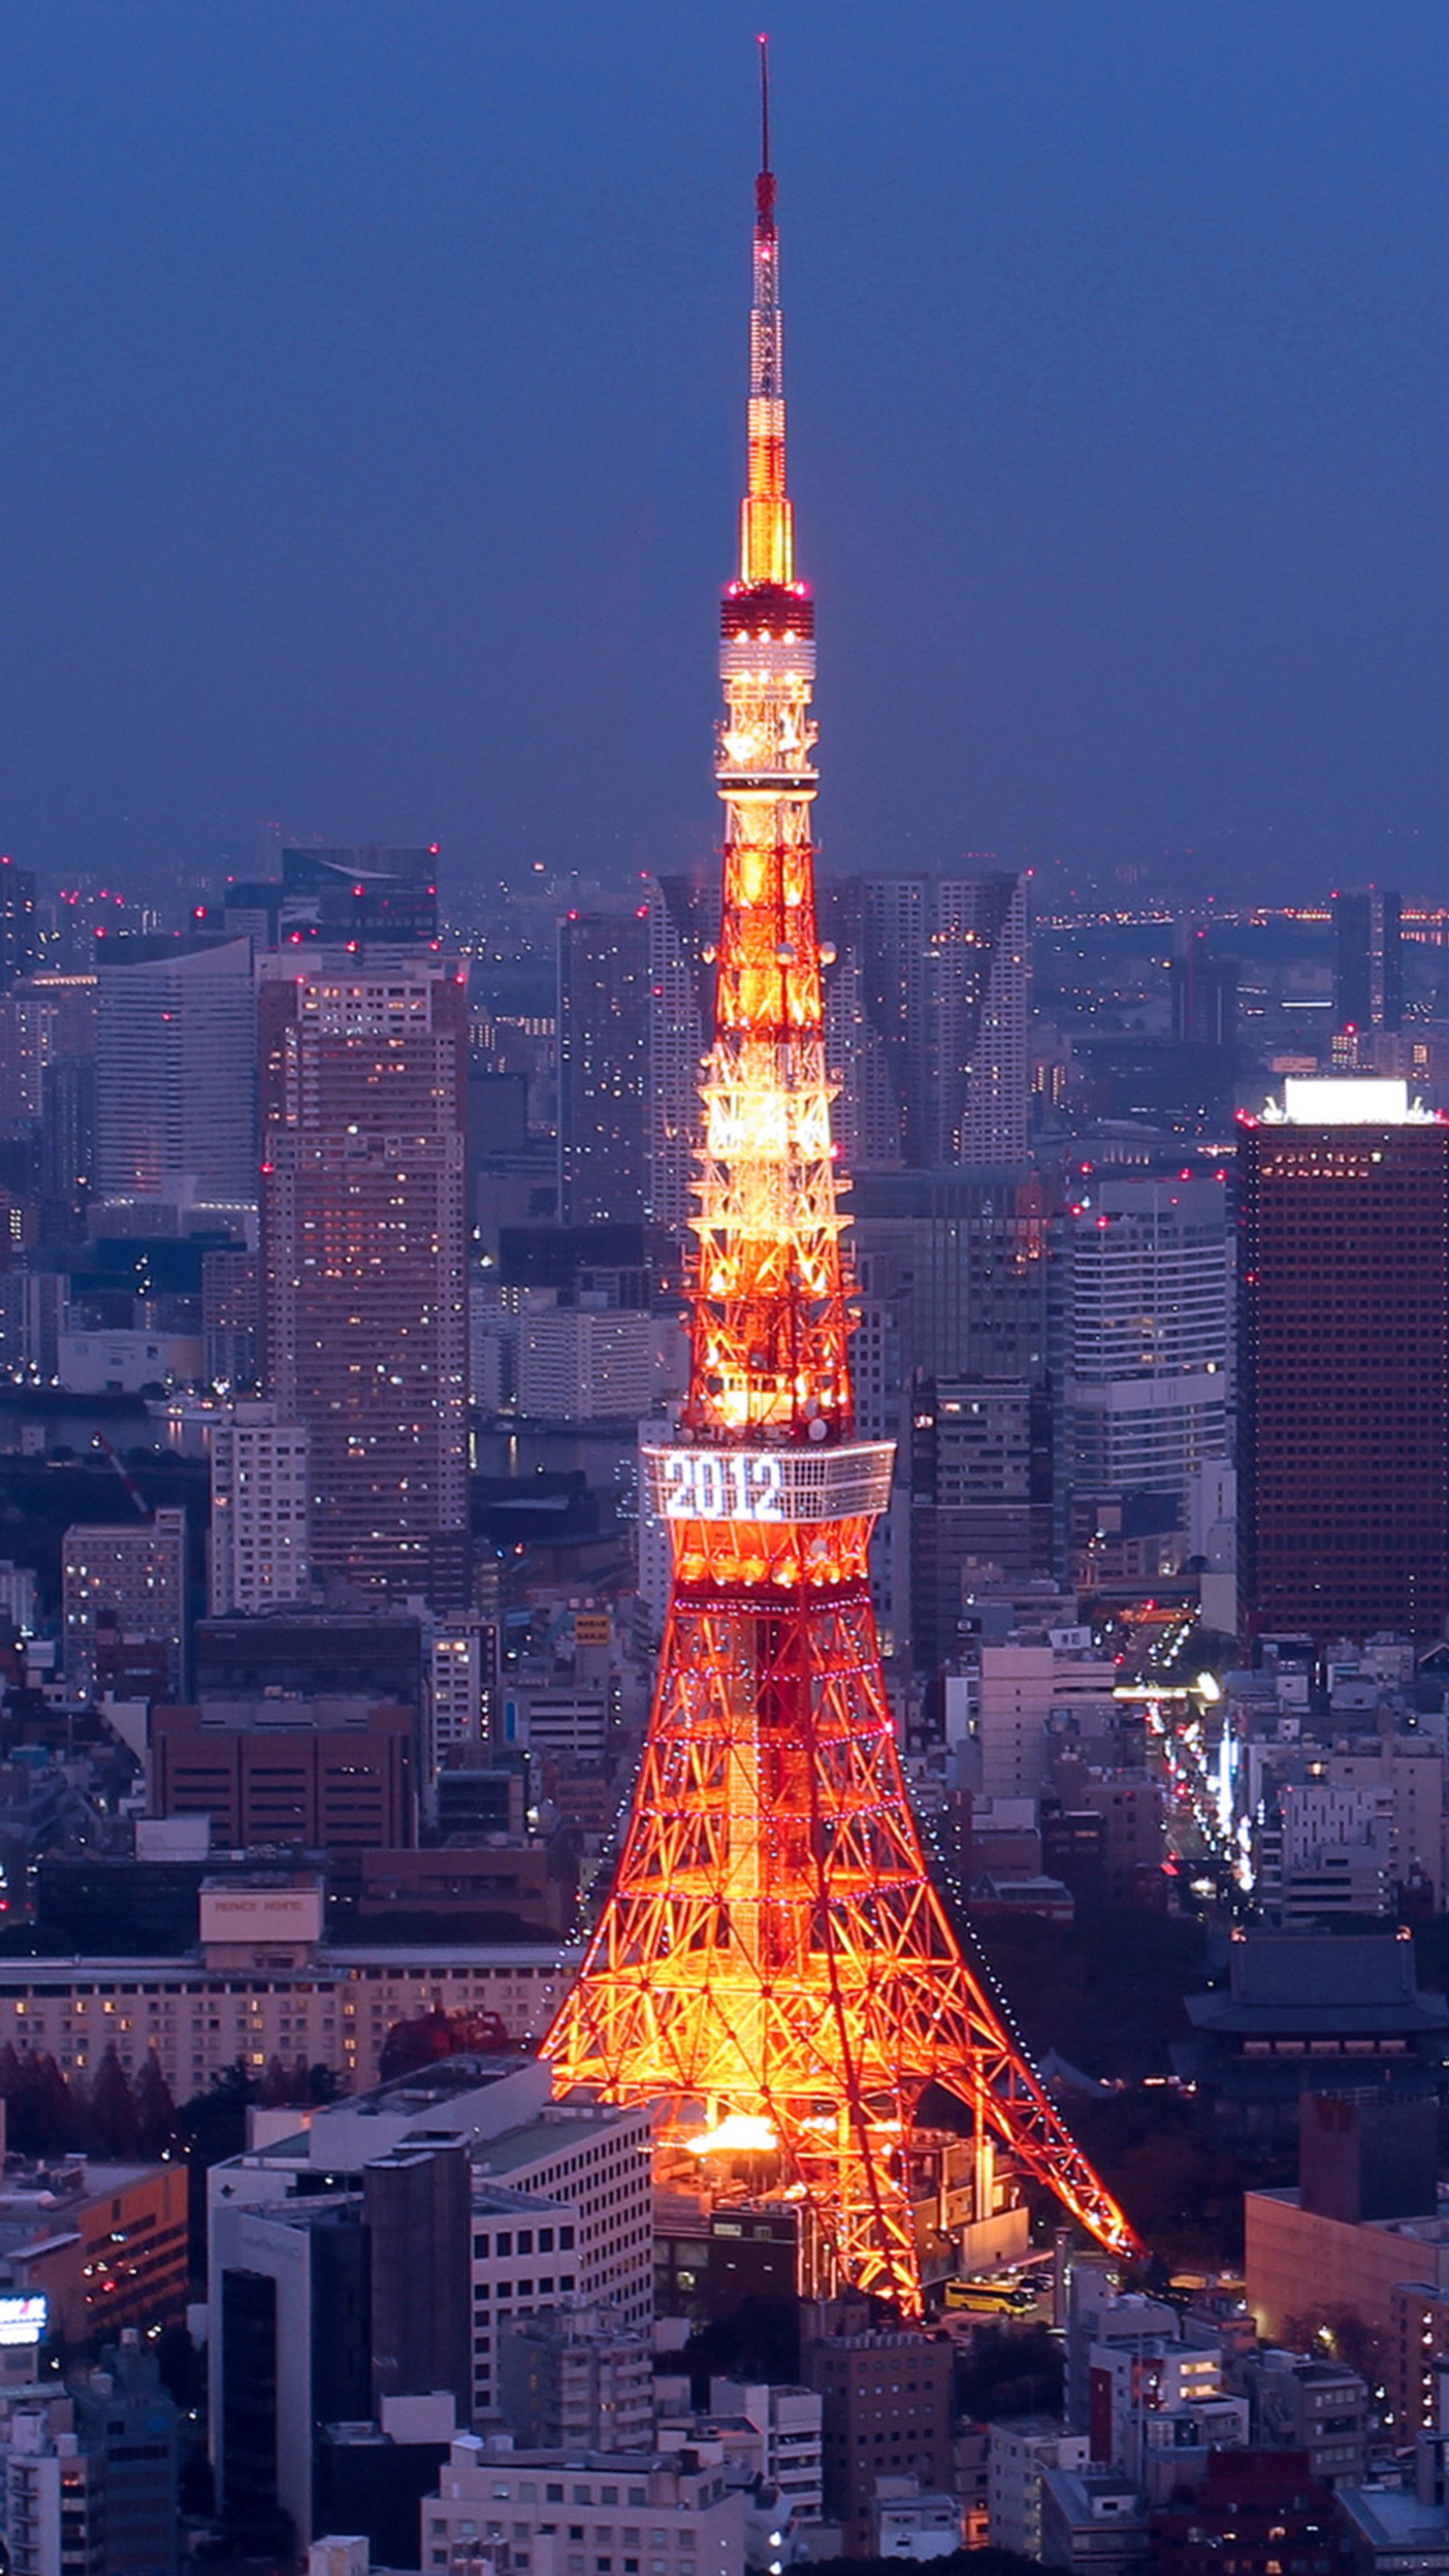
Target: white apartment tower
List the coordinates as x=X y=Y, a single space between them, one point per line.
x=260 y=1550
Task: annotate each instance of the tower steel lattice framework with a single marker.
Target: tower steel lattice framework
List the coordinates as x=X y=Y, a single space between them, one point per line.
x=774 y=1962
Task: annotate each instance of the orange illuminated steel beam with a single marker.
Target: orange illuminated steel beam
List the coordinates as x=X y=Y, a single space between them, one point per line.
x=774 y=1963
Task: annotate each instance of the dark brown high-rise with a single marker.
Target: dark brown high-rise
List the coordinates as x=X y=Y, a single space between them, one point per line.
x=1343 y=1501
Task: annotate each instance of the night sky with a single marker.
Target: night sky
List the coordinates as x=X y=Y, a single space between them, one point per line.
x=372 y=429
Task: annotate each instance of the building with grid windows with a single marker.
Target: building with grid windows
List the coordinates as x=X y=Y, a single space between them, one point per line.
x=364 y=1283
x=1344 y=1363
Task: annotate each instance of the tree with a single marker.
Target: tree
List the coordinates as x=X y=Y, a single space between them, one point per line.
x=40 y=2113
x=1009 y=2370
x=158 y=2122
x=430 y=2037
x=113 y=2124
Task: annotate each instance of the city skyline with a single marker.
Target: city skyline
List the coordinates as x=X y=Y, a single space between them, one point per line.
x=335 y=414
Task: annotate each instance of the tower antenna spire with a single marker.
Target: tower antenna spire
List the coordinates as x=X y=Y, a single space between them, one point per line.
x=765 y=184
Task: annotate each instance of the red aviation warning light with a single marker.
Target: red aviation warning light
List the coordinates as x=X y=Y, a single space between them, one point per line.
x=774 y=1964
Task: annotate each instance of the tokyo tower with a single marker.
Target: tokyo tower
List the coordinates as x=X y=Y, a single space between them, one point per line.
x=774 y=1963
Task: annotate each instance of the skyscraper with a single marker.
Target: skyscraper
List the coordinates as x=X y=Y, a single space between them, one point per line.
x=259 y=1545
x=176 y=1079
x=1344 y=1363
x=1147 y=1381
x=603 y=1046
x=19 y=934
x=1368 y=969
x=947 y=966
x=683 y=929
x=364 y=1095
x=1204 y=991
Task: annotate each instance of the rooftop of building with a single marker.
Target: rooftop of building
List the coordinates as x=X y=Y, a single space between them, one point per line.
x=1346 y=1100
x=1091 y=2496
x=1393 y=2518
x=1319 y=1984
x=19 y=1976
x=1429 y=2228
x=67 y=2182
x=496 y=2450
x=548 y=2135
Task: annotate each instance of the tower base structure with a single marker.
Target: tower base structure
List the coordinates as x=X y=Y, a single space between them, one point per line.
x=775 y=1965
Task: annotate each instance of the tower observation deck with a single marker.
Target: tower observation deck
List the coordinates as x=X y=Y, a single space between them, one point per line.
x=774 y=1963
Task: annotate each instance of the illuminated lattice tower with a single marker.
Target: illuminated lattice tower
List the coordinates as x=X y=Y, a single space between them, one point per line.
x=773 y=1962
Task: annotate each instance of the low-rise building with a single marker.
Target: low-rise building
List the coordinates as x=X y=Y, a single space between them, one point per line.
x=906 y=2521
x=1023 y=2448
x=104 y=2244
x=1257 y=2508
x=286 y=1997
x=1302 y=2404
x=575 y=2377
x=1131 y=2382
x=559 y=2512
x=1093 y=2518
x=1306 y=2270
x=1304 y=2011
x=886 y=2413
x=1392 y=2531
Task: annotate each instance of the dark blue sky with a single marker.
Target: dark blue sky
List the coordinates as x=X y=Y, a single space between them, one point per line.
x=373 y=413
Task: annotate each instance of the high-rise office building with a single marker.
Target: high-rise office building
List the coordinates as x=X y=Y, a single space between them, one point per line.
x=364 y=1322
x=1204 y=993
x=176 y=1079
x=982 y=1500
x=1368 y=970
x=259 y=1549
x=683 y=927
x=868 y=1120
x=231 y=1319
x=417 y=2209
x=603 y=1055
x=1148 y=1289
x=66 y=1144
x=19 y=930
x=1343 y=1363
x=947 y=964
x=130 y=1576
